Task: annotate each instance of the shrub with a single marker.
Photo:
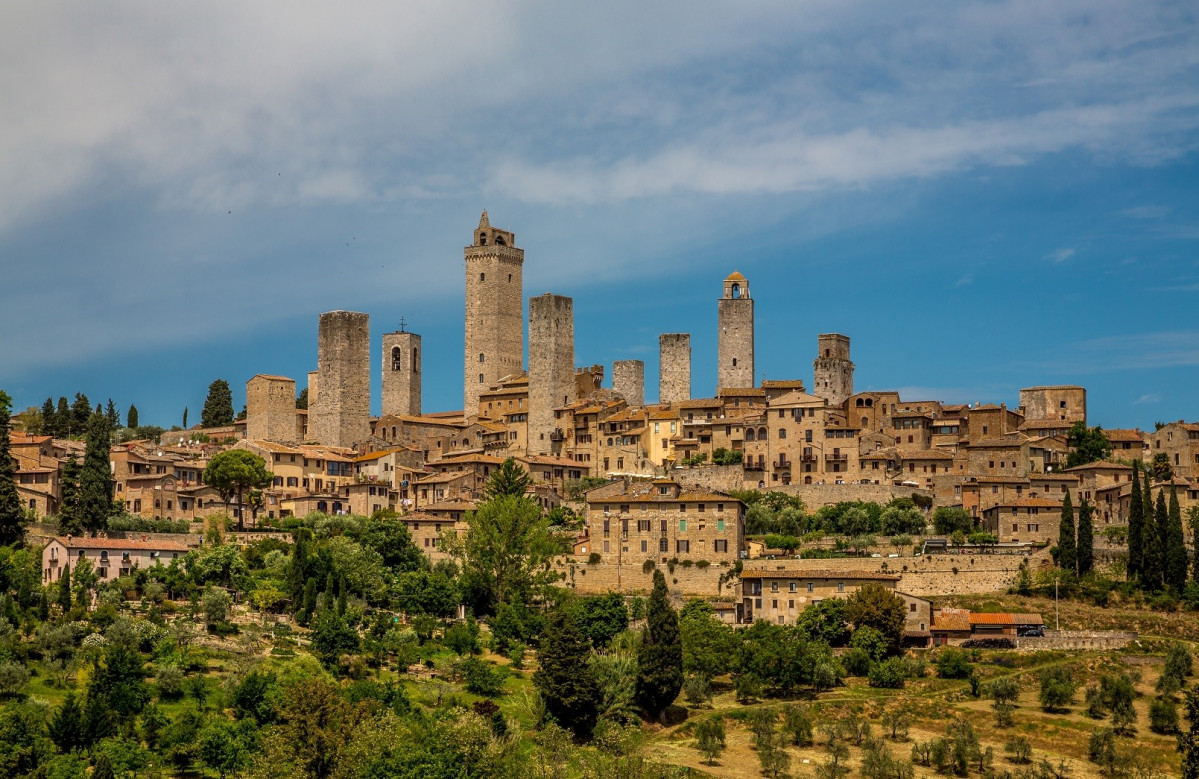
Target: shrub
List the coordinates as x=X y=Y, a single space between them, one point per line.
x=594 y=558
x=1018 y=750
x=697 y=689
x=481 y=678
x=952 y=663
x=13 y=678
x=871 y=640
x=1163 y=716
x=463 y=638
x=888 y=674
x=1057 y=688
x=857 y=662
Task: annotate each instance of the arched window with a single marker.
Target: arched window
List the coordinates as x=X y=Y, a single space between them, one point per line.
x=396 y=358
x=482 y=239
x=869 y=402
x=865 y=421
x=736 y=291
x=482 y=277
x=782 y=434
x=482 y=358
x=859 y=403
x=415 y=360
x=480 y=378
x=749 y=434
x=761 y=434
x=499 y=240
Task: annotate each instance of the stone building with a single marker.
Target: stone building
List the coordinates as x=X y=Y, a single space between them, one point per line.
x=735 y=323
x=832 y=369
x=674 y=367
x=271 y=409
x=401 y=374
x=551 y=365
x=628 y=381
x=313 y=386
x=494 y=304
x=1066 y=403
x=779 y=596
x=342 y=413
x=589 y=380
x=112 y=557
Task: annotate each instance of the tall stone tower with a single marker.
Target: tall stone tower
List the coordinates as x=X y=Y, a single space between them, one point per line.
x=551 y=365
x=628 y=381
x=494 y=304
x=401 y=373
x=674 y=367
x=271 y=409
x=833 y=372
x=342 y=415
x=735 y=349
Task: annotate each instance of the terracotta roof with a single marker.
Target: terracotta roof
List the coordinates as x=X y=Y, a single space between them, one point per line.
x=1023 y=618
x=271 y=377
x=1004 y=442
x=925 y=454
x=272 y=447
x=1124 y=435
x=1099 y=465
x=1028 y=503
x=782 y=384
x=741 y=392
x=951 y=620
x=701 y=403
x=735 y=276
x=425 y=420
x=991 y=619
x=121 y=543
x=819 y=573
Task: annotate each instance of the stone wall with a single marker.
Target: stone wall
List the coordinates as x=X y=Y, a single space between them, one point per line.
x=633 y=579
x=1084 y=640
x=735 y=338
x=551 y=365
x=628 y=381
x=832 y=369
x=674 y=367
x=342 y=416
x=401 y=374
x=732 y=477
x=271 y=409
x=1047 y=403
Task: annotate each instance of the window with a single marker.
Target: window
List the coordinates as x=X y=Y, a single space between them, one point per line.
x=644 y=546
x=774 y=586
x=482 y=358
x=912 y=607
x=720 y=545
x=480 y=378
x=720 y=525
x=663 y=545
x=782 y=434
x=682 y=526
x=840 y=586
x=682 y=547
x=794 y=586
x=810 y=586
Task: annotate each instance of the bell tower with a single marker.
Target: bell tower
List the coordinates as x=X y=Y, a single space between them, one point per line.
x=495 y=328
x=735 y=339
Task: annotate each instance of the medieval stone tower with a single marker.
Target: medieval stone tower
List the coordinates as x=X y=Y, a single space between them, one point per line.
x=401 y=373
x=735 y=347
x=342 y=414
x=674 y=367
x=494 y=305
x=628 y=381
x=833 y=372
x=271 y=409
x=551 y=365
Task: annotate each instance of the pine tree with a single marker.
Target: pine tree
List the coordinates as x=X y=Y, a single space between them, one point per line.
x=81 y=412
x=49 y=419
x=218 y=406
x=66 y=726
x=12 y=513
x=1086 y=539
x=1136 y=524
x=565 y=678
x=64 y=588
x=131 y=419
x=103 y=768
x=1188 y=741
x=114 y=416
x=62 y=418
x=95 y=479
x=1067 y=549
x=70 y=522
x=508 y=480
x=1193 y=520
x=1176 y=550
x=660 y=656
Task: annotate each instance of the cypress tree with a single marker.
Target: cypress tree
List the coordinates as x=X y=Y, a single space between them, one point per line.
x=62 y=418
x=131 y=416
x=1136 y=524
x=1147 y=511
x=1152 y=562
x=1193 y=519
x=1188 y=742
x=218 y=406
x=95 y=479
x=81 y=412
x=103 y=768
x=64 y=588
x=66 y=726
x=1086 y=539
x=185 y=417
x=1161 y=523
x=114 y=416
x=1176 y=550
x=565 y=678
x=1067 y=550
x=70 y=522
x=341 y=596
x=49 y=418
x=660 y=656
x=12 y=513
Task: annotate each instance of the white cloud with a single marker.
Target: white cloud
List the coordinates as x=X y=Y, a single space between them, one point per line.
x=1059 y=255
x=1150 y=397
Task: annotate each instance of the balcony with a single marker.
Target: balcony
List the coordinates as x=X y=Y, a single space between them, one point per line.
x=807 y=457
x=783 y=462
x=558 y=435
x=834 y=457
x=753 y=465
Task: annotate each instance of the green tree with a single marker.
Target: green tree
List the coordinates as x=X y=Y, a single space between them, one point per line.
x=1086 y=539
x=103 y=768
x=565 y=678
x=708 y=644
x=64 y=422
x=660 y=655
x=875 y=606
x=1067 y=550
x=218 y=406
x=131 y=417
x=602 y=618
x=1161 y=524
x=70 y=522
x=1193 y=521
x=12 y=513
x=302 y=399
x=332 y=636
x=66 y=726
x=505 y=552
x=710 y=738
x=1160 y=468
x=1004 y=692
x=113 y=416
x=1087 y=444
x=1188 y=741
x=1057 y=688
x=49 y=418
x=1152 y=560
x=234 y=471
x=1175 y=548
x=81 y=411
x=221 y=747
x=948 y=520
x=64 y=588
x=185 y=412
x=1136 y=525
x=509 y=480
x=391 y=539
x=95 y=477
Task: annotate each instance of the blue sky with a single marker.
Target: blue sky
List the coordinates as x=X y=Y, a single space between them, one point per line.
x=983 y=196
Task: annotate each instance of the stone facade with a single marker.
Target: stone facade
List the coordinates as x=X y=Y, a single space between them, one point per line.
x=674 y=367
x=588 y=381
x=271 y=409
x=313 y=386
x=628 y=381
x=494 y=306
x=551 y=365
x=832 y=369
x=735 y=346
x=1066 y=403
x=342 y=415
x=401 y=374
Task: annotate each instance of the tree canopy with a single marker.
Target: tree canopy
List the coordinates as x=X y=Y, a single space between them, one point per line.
x=218 y=406
x=234 y=471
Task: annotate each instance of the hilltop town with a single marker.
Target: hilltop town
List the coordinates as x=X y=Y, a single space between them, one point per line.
x=782 y=504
